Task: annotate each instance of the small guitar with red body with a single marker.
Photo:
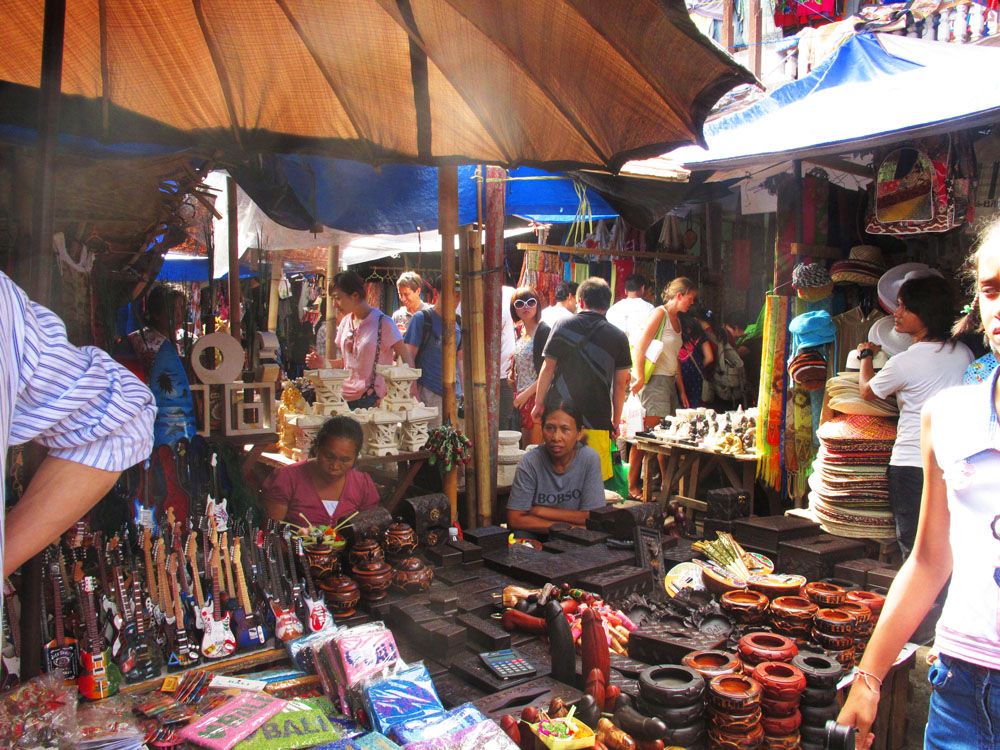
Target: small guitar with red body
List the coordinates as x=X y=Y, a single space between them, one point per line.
x=99 y=676
x=319 y=616
x=287 y=626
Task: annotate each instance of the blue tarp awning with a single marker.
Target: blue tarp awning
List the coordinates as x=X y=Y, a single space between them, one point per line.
x=180 y=268
x=872 y=90
x=396 y=198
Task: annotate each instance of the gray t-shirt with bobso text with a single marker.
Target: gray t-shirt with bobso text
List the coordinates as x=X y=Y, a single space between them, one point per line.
x=580 y=487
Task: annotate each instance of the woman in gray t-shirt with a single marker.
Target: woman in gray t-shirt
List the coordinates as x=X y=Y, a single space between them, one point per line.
x=560 y=480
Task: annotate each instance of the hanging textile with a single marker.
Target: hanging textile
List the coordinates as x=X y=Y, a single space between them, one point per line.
x=771 y=402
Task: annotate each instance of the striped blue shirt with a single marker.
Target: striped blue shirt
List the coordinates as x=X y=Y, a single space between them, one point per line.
x=76 y=401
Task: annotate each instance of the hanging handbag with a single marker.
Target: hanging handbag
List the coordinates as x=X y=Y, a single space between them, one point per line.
x=653 y=352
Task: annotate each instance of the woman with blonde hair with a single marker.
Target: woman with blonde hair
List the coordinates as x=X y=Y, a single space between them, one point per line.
x=662 y=393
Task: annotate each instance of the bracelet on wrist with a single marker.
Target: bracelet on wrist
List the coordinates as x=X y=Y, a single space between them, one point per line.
x=868 y=677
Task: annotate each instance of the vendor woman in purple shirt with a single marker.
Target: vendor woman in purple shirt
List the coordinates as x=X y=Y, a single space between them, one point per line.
x=326 y=486
x=559 y=480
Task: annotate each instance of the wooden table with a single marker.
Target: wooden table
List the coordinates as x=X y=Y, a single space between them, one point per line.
x=407 y=466
x=687 y=465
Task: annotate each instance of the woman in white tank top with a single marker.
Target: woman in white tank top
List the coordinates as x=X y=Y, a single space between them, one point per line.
x=958 y=535
x=660 y=396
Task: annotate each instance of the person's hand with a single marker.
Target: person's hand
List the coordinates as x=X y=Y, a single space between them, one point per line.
x=636 y=387
x=614 y=432
x=414 y=390
x=684 y=400
x=859 y=712
x=520 y=399
x=511 y=381
x=314 y=361
x=869 y=345
x=536 y=412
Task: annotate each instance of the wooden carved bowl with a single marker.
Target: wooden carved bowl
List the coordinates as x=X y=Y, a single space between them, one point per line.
x=873 y=601
x=341 y=594
x=733 y=693
x=833 y=642
x=862 y=614
x=751 y=739
x=834 y=621
x=711 y=664
x=412 y=576
x=373 y=578
x=734 y=722
x=824 y=594
x=760 y=647
x=779 y=681
x=781 y=726
x=365 y=550
x=793 y=608
x=744 y=606
x=775 y=585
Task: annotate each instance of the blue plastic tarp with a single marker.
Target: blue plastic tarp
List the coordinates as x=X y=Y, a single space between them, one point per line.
x=399 y=198
x=870 y=88
x=180 y=268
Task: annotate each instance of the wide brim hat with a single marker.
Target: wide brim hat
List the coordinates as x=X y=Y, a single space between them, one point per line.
x=864 y=266
x=895 y=277
x=854 y=360
x=884 y=333
x=850 y=427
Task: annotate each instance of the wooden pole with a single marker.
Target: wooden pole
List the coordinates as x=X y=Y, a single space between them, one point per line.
x=272 y=299
x=493 y=258
x=53 y=33
x=754 y=36
x=472 y=416
x=448 y=227
x=727 y=25
x=332 y=267
x=235 y=320
x=478 y=398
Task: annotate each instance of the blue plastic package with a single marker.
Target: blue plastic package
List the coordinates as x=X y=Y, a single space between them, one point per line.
x=407 y=694
x=435 y=725
x=370 y=741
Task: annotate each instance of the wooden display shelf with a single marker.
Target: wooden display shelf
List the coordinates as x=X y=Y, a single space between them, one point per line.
x=229 y=665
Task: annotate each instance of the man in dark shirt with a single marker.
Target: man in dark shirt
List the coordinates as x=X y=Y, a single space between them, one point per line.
x=588 y=360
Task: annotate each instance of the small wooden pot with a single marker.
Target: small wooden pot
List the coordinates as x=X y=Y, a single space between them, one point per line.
x=341 y=595
x=733 y=692
x=711 y=664
x=779 y=681
x=873 y=601
x=824 y=594
x=400 y=540
x=820 y=670
x=671 y=685
x=412 y=576
x=374 y=578
x=834 y=621
x=760 y=647
x=365 y=550
x=781 y=726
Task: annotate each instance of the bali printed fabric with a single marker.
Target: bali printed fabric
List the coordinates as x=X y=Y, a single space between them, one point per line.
x=771 y=401
x=980 y=370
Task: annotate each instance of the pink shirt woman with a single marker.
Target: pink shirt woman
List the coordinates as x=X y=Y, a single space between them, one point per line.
x=326 y=487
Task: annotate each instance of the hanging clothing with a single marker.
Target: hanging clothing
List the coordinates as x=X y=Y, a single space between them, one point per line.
x=852 y=329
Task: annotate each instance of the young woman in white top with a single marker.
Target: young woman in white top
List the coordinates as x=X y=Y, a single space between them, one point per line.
x=660 y=395
x=925 y=311
x=958 y=536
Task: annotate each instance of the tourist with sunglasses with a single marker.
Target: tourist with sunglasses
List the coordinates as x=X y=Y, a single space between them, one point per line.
x=367 y=337
x=531 y=335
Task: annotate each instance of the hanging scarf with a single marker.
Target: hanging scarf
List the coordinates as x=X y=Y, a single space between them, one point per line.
x=772 y=390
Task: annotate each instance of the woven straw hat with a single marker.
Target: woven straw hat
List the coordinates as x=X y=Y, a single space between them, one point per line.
x=812 y=281
x=864 y=266
x=858 y=427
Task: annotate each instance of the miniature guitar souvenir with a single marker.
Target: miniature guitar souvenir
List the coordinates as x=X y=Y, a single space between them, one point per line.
x=319 y=616
x=146 y=660
x=182 y=656
x=62 y=652
x=217 y=637
x=287 y=626
x=192 y=556
x=99 y=676
x=249 y=634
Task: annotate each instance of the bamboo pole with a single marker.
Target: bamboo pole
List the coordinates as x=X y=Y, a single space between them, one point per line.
x=332 y=267
x=605 y=253
x=448 y=228
x=478 y=399
x=272 y=300
x=235 y=301
x=493 y=258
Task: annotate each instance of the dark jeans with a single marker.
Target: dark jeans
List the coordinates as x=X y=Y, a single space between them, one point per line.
x=509 y=419
x=906 y=483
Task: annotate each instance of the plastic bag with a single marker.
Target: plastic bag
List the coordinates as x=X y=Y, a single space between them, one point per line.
x=633 y=416
x=407 y=694
x=298 y=725
x=432 y=726
x=39 y=713
x=370 y=741
x=486 y=735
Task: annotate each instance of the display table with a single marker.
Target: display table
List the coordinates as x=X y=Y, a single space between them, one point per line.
x=407 y=466
x=687 y=465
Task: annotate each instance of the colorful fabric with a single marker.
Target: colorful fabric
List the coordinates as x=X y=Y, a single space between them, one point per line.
x=981 y=369
x=772 y=390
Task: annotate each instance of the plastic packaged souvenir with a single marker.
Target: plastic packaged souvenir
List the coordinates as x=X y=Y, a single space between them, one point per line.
x=302 y=651
x=370 y=741
x=233 y=721
x=486 y=735
x=292 y=728
x=407 y=694
x=436 y=725
x=39 y=713
x=363 y=651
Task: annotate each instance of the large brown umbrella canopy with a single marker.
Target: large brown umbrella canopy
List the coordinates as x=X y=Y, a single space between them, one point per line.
x=558 y=83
